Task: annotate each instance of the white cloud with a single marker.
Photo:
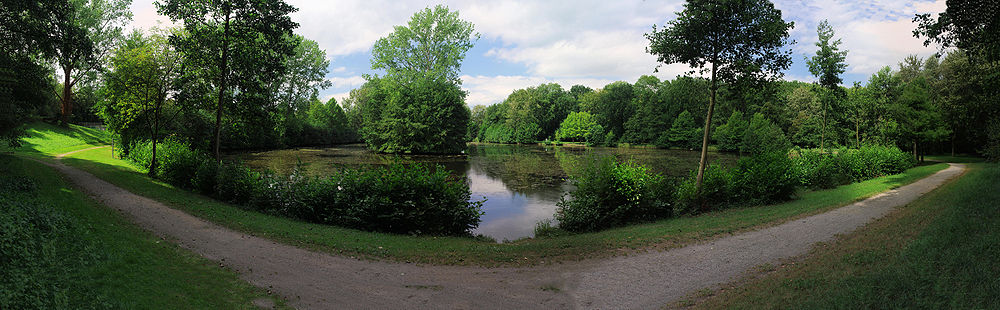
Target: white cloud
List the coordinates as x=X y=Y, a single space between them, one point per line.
x=346 y=82
x=340 y=69
x=485 y=90
x=875 y=33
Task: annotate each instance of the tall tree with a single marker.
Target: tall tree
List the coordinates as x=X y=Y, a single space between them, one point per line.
x=418 y=107
x=971 y=25
x=240 y=41
x=733 y=39
x=141 y=79
x=26 y=41
x=827 y=66
x=432 y=44
x=85 y=36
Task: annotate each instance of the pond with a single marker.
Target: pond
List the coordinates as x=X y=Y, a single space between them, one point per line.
x=521 y=183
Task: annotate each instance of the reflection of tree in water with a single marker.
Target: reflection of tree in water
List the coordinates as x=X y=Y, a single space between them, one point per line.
x=523 y=169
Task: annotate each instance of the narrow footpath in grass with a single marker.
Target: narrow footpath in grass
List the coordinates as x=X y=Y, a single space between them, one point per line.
x=642 y=280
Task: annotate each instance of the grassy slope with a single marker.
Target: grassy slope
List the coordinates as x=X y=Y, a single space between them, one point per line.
x=938 y=252
x=47 y=139
x=450 y=250
x=135 y=269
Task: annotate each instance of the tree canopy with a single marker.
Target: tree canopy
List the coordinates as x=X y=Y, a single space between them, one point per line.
x=432 y=44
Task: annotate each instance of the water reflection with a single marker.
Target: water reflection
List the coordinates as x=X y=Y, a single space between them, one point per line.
x=521 y=184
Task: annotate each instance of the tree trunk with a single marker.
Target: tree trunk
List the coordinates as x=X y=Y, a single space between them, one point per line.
x=67 y=96
x=915 y=150
x=223 y=78
x=857 y=133
x=952 y=145
x=156 y=133
x=704 y=140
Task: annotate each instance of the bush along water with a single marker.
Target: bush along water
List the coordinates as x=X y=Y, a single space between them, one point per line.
x=610 y=194
x=817 y=169
x=398 y=198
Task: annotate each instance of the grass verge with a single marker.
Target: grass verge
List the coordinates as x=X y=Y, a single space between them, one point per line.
x=939 y=252
x=467 y=251
x=47 y=139
x=96 y=258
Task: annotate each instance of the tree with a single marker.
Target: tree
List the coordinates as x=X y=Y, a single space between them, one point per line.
x=684 y=132
x=827 y=66
x=426 y=116
x=576 y=127
x=729 y=136
x=27 y=41
x=432 y=44
x=84 y=36
x=305 y=75
x=970 y=25
x=238 y=45
x=137 y=87
x=652 y=116
x=613 y=107
x=733 y=39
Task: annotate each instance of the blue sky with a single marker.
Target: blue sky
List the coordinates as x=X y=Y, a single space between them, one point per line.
x=526 y=43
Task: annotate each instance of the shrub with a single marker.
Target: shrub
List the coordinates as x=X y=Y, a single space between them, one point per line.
x=238 y=184
x=870 y=162
x=763 y=136
x=759 y=179
x=817 y=170
x=206 y=176
x=610 y=194
x=715 y=191
x=763 y=179
x=408 y=199
x=177 y=163
x=576 y=127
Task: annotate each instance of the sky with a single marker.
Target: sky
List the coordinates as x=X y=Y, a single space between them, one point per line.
x=525 y=43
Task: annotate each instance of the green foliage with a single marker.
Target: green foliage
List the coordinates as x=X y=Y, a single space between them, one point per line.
x=576 y=127
x=613 y=106
x=406 y=199
x=729 y=136
x=684 y=133
x=829 y=62
x=762 y=136
x=818 y=169
x=966 y=24
x=755 y=180
x=992 y=147
x=431 y=46
x=610 y=194
x=597 y=136
x=422 y=117
x=42 y=251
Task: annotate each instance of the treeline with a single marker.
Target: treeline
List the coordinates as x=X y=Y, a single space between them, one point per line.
x=932 y=105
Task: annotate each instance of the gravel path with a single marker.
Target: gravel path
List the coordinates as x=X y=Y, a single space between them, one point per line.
x=311 y=280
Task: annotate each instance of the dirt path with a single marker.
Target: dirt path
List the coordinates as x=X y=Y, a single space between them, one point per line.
x=311 y=280
x=60 y=156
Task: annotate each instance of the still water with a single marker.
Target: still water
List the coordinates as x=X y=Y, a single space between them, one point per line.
x=521 y=183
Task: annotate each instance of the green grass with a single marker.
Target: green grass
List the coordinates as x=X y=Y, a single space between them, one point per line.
x=47 y=139
x=939 y=252
x=130 y=267
x=468 y=251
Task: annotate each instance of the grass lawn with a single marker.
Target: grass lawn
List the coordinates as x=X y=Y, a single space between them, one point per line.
x=47 y=139
x=939 y=252
x=467 y=251
x=112 y=262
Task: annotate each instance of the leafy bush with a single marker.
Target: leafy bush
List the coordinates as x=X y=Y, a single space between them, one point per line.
x=818 y=170
x=399 y=199
x=755 y=180
x=715 y=191
x=238 y=184
x=870 y=162
x=610 y=194
x=409 y=199
x=177 y=163
x=763 y=179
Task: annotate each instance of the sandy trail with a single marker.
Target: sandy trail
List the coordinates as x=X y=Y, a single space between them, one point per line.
x=312 y=280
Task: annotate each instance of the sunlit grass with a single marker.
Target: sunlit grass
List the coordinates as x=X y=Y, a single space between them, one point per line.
x=47 y=139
